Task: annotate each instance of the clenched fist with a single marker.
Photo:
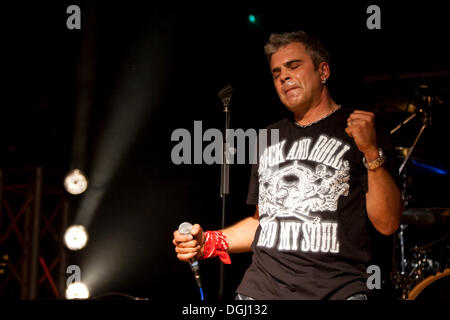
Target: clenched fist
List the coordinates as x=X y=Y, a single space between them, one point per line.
x=361 y=127
x=191 y=245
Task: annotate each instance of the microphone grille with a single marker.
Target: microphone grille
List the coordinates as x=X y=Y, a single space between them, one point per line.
x=185 y=228
x=225 y=92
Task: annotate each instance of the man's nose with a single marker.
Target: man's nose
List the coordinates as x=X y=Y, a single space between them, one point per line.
x=285 y=76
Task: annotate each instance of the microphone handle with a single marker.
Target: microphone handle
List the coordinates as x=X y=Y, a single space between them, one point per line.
x=185 y=228
x=196 y=271
x=194 y=265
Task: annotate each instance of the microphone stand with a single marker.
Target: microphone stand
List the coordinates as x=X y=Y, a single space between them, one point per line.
x=225 y=96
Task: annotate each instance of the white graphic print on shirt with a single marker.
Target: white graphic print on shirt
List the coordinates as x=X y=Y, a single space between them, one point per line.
x=296 y=191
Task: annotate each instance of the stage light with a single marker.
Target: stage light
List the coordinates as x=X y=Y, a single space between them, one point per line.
x=75 y=237
x=77 y=290
x=255 y=22
x=75 y=182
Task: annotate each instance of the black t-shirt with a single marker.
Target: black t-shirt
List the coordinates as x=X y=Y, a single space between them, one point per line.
x=312 y=241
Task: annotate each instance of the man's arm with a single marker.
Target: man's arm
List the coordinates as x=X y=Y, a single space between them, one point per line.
x=383 y=199
x=240 y=235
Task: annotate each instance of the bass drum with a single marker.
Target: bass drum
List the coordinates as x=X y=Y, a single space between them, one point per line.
x=434 y=288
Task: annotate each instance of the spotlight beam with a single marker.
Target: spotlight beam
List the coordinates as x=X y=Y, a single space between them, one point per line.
x=144 y=74
x=138 y=92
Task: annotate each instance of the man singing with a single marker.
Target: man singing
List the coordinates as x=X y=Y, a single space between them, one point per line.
x=316 y=191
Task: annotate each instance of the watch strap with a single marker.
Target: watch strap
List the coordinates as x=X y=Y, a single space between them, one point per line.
x=378 y=162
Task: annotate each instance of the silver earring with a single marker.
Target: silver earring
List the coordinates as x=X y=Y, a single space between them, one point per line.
x=324 y=80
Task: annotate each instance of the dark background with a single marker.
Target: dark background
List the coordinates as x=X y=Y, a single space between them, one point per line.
x=184 y=54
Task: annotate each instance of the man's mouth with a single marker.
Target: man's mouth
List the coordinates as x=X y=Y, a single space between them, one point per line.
x=290 y=89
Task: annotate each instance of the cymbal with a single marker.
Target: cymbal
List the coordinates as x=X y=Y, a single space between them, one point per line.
x=402 y=152
x=424 y=217
x=417 y=153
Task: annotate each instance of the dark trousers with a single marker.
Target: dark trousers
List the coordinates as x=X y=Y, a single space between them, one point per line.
x=357 y=296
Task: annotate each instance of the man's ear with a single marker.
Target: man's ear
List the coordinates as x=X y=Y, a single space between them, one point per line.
x=324 y=70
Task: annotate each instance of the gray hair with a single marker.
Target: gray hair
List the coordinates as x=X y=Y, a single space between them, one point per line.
x=313 y=46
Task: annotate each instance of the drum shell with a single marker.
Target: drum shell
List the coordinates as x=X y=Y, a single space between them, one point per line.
x=435 y=287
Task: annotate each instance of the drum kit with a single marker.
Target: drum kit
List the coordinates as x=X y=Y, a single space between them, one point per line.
x=421 y=257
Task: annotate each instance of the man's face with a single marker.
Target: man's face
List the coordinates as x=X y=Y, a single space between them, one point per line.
x=297 y=83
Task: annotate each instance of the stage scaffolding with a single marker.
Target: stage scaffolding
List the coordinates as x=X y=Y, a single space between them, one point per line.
x=34 y=213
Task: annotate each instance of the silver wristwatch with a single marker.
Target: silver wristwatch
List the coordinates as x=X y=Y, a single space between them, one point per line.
x=378 y=162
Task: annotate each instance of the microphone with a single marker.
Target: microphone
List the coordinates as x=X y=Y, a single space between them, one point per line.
x=225 y=95
x=185 y=228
